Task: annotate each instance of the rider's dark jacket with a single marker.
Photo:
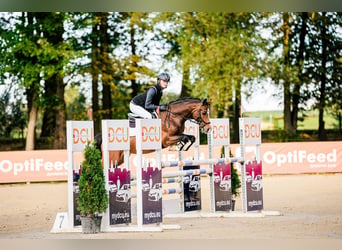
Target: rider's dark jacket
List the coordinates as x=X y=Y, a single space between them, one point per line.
x=150 y=99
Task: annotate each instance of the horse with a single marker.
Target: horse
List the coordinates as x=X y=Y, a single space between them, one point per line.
x=173 y=123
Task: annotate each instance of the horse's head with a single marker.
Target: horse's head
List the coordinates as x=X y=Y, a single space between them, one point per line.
x=203 y=116
x=189 y=108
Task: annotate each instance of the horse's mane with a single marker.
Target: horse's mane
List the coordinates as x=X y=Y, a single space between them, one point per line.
x=185 y=99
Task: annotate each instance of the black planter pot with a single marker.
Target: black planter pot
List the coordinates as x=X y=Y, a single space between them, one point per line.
x=233 y=205
x=91 y=224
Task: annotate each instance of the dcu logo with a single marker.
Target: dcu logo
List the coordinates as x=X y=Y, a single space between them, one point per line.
x=252 y=131
x=220 y=131
x=119 y=135
x=82 y=135
x=151 y=134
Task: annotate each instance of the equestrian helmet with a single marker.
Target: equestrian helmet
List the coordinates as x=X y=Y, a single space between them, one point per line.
x=164 y=76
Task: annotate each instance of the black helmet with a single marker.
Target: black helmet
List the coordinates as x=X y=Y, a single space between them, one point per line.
x=164 y=76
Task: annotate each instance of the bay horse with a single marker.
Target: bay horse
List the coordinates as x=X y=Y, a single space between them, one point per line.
x=173 y=123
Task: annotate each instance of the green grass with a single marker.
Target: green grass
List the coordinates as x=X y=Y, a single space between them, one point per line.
x=310 y=120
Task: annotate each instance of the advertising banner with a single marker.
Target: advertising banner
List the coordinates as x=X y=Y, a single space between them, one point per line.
x=298 y=157
x=222 y=185
x=36 y=165
x=151 y=135
x=152 y=195
x=254 y=186
x=119 y=196
x=192 y=190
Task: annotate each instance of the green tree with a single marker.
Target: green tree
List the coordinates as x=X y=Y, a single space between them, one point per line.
x=325 y=67
x=221 y=51
x=11 y=115
x=20 y=60
x=35 y=56
x=306 y=68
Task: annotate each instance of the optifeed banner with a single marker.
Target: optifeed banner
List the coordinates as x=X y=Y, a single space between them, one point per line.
x=37 y=165
x=277 y=158
x=301 y=157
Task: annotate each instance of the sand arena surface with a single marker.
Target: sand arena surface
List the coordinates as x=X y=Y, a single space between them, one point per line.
x=311 y=208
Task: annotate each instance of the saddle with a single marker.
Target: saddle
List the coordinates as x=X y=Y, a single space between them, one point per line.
x=132 y=117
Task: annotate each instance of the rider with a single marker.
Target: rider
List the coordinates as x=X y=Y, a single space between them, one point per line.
x=147 y=104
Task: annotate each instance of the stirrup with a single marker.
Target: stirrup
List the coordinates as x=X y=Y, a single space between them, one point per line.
x=155 y=115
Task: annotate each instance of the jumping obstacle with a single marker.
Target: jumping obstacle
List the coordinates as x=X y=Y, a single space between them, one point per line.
x=115 y=136
x=250 y=134
x=219 y=136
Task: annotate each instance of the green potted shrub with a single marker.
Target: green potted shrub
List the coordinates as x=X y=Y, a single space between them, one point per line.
x=93 y=197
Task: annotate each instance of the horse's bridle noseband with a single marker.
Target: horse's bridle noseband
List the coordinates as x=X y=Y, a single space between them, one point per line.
x=199 y=119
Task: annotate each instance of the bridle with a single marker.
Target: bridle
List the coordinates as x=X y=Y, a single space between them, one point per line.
x=199 y=120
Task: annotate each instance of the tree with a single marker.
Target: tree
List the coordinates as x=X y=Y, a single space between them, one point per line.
x=221 y=50
x=325 y=67
x=55 y=59
x=135 y=40
x=11 y=115
x=310 y=44
x=35 y=55
x=107 y=74
x=20 y=61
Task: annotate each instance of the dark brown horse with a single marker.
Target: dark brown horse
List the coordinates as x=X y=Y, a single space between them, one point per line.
x=173 y=123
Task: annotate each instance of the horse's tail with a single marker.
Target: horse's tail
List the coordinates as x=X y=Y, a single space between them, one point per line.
x=98 y=141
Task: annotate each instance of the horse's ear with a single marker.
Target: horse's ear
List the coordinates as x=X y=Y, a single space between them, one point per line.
x=205 y=102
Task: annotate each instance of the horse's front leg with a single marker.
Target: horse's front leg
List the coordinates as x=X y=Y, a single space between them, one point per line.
x=171 y=140
x=188 y=143
x=182 y=142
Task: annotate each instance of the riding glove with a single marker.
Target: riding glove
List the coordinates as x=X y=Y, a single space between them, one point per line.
x=162 y=107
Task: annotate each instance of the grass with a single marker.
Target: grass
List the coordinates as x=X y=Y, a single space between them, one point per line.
x=274 y=120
